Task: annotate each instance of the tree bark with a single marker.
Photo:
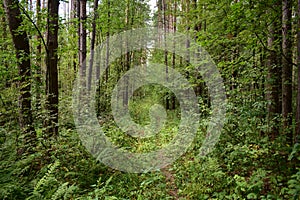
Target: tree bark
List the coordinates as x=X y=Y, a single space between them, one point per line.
x=4 y=46
x=165 y=26
x=274 y=80
x=73 y=14
x=174 y=27
x=21 y=44
x=127 y=54
x=93 y=39
x=297 y=133
x=82 y=46
x=287 y=68
x=159 y=4
x=38 y=57
x=78 y=31
x=107 y=42
x=51 y=70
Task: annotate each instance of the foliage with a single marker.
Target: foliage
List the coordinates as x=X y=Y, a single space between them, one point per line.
x=247 y=163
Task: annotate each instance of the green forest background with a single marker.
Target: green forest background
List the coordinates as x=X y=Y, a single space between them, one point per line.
x=256 y=48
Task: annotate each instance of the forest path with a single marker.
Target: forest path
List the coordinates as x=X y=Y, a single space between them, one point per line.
x=170 y=182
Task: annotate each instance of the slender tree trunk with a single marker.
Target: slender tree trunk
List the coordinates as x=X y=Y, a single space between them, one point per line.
x=21 y=44
x=174 y=25
x=159 y=18
x=287 y=68
x=187 y=21
x=197 y=28
x=165 y=25
x=51 y=71
x=82 y=46
x=78 y=31
x=73 y=9
x=38 y=57
x=92 y=44
x=107 y=41
x=73 y=14
x=297 y=134
x=4 y=46
x=127 y=53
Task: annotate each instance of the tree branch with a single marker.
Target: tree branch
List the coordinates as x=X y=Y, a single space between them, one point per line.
x=35 y=26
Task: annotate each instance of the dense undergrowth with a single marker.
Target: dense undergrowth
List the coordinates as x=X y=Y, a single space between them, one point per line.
x=244 y=165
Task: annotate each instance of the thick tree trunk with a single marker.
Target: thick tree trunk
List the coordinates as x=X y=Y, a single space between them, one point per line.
x=21 y=44
x=51 y=71
x=274 y=82
x=287 y=68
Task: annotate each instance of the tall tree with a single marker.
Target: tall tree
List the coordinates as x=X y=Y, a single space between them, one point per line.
x=82 y=37
x=77 y=5
x=107 y=40
x=38 y=56
x=51 y=70
x=274 y=75
x=21 y=44
x=93 y=39
x=166 y=29
x=174 y=22
x=4 y=46
x=287 y=67
x=159 y=4
x=127 y=53
x=73 y=14
x=298 y=66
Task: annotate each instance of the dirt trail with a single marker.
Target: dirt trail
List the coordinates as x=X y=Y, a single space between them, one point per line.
x=170 y=181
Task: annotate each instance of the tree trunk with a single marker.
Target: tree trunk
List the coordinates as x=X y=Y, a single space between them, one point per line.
x=165 y=25
x=51 y=71
x=93 y=39
x=159 y=18
x=187 y=30
x=174 y=22
x=73 y=14
x=274 y=81
x=78 y=31
x=127 y=55
x=287 y=68
x=21 y=44
x=38 y=57
x=82 y=46
x=107 y=41
x=297 y=133
x=4 y=46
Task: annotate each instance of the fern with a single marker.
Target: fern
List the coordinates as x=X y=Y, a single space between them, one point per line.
x=47 y=176
x=45 y=182
x=294 y=185
x=64 y=192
